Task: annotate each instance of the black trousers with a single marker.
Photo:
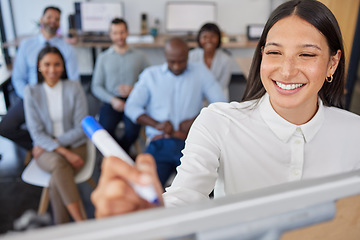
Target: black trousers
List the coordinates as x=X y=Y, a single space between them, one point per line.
x=11 y=126
x=109 y=119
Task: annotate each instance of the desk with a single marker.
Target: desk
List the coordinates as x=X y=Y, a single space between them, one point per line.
x=87 y=51
x=159 y=42
x=244 y=64
x=155 y=54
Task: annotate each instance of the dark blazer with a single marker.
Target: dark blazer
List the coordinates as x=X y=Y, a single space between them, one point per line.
x=38 y=121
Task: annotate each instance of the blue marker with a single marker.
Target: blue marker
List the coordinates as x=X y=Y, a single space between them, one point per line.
x=109 y=147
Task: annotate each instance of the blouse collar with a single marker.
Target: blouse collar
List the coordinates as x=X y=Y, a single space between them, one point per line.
x=284 y=129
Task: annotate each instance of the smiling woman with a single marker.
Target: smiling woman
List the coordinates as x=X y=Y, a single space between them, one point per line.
x=54 y=108
x=210 y=53
x=314 y=24
x=294 y=69
x=289 y=127
x=51 y=69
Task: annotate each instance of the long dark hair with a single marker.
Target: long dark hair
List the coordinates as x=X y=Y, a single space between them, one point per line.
x=209 y=27
x=317 y=14
x=42 y=53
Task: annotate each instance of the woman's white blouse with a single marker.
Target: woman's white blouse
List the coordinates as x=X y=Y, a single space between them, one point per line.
x=237 y=147
x=55 y=106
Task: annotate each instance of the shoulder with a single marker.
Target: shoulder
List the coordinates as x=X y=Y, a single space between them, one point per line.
x=63 y=46
x=138 y=56
x=73 y=89
x=106 y=52
x=197 y=67
x=29 y=42
x=224 y=117
x=220 y=53
x=103 y=55
x=199 y=71
x=156 y=69
x=71 y=84
x=342 y=117
x=137 y=52
x=106 y=57
x=234 y=110
x=61 y=41
x=35 y=87
x=31 y=90
x=151 y=73
x=196 y=53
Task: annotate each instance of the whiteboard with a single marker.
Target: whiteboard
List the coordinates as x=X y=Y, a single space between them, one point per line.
x=189 y=16
x=97 y=16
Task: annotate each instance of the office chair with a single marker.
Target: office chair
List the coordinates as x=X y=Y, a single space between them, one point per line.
x=34 y=175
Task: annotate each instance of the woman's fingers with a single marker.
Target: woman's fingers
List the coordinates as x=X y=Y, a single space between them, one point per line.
x=115 y=195
x=146 y=164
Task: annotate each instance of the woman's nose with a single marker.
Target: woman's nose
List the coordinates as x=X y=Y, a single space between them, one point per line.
x=288 y=67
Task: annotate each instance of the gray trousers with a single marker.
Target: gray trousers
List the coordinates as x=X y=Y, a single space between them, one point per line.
x=63 y=189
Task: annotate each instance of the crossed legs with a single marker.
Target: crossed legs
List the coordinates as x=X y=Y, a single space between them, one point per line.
x=64 y=195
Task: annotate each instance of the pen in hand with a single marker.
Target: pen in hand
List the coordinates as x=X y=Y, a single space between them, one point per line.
x=109 y=147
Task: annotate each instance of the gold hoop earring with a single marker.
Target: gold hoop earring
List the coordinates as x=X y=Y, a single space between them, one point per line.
x=331 y=79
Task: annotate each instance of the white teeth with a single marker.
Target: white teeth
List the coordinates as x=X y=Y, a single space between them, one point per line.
x=289 y=86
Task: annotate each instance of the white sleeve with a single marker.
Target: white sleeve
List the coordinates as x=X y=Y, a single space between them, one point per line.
x=197 y=173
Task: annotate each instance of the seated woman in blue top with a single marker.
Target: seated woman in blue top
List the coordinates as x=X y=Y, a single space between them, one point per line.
x=54 y=108
x=210 y=53
x=289 y=127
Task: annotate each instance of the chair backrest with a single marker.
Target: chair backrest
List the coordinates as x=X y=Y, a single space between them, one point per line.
x=87 y=170
x=34 y=175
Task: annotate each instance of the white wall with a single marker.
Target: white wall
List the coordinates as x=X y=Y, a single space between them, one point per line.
x=232 y=16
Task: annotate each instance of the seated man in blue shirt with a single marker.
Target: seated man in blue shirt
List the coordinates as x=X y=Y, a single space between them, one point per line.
x=167 y=99
x=25 y=72
x=116 y=71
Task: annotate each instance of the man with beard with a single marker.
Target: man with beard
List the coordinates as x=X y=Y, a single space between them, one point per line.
x=25 y=72
x=116 y=71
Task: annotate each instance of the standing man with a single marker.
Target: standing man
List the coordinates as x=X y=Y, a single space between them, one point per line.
x=25 y=72
x=167 y=99
x=116 y=71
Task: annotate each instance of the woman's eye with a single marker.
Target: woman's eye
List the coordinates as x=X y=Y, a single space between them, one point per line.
x=272 y=53
x=308 y=55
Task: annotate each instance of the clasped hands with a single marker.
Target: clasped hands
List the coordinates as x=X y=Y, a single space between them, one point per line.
x=168 y=129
